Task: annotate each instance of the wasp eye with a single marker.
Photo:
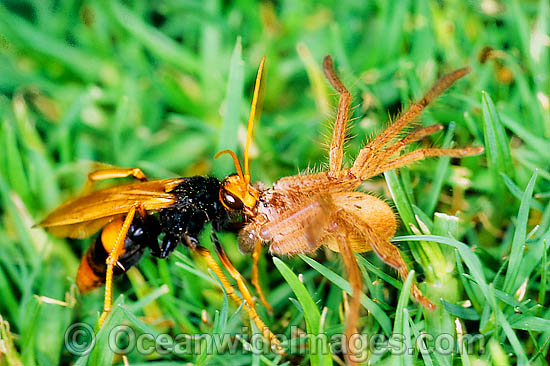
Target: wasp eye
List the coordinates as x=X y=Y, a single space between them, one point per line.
x=231 y=202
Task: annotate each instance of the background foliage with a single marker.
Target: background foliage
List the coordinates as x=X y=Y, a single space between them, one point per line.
x=165 y=85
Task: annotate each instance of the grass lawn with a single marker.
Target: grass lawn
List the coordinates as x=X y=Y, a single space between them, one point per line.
x=164 y=85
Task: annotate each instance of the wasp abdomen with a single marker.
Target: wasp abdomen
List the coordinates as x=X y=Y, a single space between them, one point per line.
x=93 y=267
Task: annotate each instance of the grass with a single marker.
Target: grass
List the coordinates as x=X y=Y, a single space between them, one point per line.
x=165 y=85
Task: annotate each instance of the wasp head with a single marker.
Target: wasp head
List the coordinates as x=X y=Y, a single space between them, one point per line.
x=237 y=194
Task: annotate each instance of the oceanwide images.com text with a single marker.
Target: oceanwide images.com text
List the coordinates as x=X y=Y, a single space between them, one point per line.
x=80 y=340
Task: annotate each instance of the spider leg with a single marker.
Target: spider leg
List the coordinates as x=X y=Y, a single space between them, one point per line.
x=387 y=252
x=381 y=158
x=339 y=131
x=299 y=229
x=368 y=152
x=354 y=278
x=422 y=154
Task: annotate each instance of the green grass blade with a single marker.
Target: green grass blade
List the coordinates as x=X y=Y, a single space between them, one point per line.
x=538 y=144
x=544 y=273
x=404 y=296
x=379 y=272
x=232 y=115
x=512 y=281
x=406 y=212
x=14 y=162
x=401 y=326
x=512 y=337
x=530 y=323
x=367 y=303
x=103 y=353
x=496 y=143
x=518 y=193
x=461 y=312
x=83 y=63
x=400 y=199
x=446 y=225
x=471 y=260
x=157 y=42
x=439 y=174
x=319 y=351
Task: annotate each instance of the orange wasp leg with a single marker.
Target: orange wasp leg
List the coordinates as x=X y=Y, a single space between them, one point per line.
x=339 y=131
x=104 y=174
x=112 y=259
x=251 y=310
x=246 y=294
x=116 y=173
x=255 y=280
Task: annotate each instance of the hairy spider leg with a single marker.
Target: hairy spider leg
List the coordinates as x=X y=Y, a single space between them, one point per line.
x=368 y=153
x=339 y=130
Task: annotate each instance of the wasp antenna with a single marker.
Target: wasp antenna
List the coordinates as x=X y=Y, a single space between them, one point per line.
x=251 y=120
x=235 y=161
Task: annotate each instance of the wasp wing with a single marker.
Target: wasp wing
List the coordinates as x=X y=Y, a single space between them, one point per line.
x=84 y=215
x=82 y=229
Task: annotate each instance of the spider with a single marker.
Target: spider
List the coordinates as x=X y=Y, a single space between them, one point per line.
x=301 y=213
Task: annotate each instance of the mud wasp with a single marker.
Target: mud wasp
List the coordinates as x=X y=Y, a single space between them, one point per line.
x=157 y=214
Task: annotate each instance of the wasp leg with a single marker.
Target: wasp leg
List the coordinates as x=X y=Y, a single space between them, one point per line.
x=251 y=309
x=116 y=173
x=232 y=271
x=104 y=174
x=255 y=280
x=112 y=260
x=213 y=265
x=339 y=130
